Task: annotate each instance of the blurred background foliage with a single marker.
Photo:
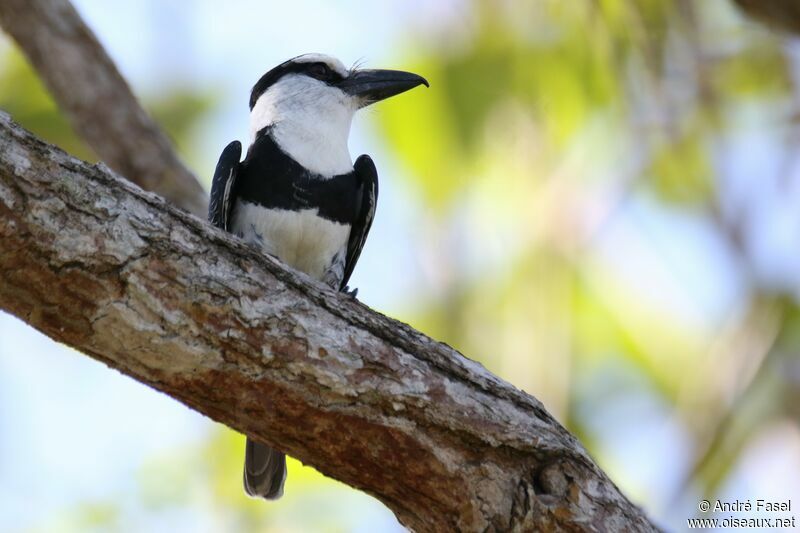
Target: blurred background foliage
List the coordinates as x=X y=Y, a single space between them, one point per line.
x=608 y=217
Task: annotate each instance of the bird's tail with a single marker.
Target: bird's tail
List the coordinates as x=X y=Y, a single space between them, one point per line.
x=264 y=471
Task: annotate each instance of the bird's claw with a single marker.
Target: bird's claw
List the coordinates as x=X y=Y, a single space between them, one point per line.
x=351 y=293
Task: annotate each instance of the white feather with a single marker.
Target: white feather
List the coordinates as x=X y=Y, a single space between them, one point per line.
x=311 y=122
x=301 y=239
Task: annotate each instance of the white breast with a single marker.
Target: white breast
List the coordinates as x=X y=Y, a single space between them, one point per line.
x=301 y=239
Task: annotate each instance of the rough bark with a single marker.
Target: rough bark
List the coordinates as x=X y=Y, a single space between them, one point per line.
x=115 y=272
x=96 y=99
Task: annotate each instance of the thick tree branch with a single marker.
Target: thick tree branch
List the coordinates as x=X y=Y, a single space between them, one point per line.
x=94 y=262
x=96 y=99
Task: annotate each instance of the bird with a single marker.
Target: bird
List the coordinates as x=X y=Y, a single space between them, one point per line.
x=298 y=195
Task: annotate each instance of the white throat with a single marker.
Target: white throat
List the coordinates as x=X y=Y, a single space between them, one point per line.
x=310 y=122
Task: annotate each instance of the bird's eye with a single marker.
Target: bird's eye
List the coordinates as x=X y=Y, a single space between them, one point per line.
x=321 y=71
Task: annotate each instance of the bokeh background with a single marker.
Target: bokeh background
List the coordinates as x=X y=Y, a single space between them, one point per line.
x=599 y=200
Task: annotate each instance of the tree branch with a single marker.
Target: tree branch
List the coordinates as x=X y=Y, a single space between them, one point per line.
x=96 y=99
x=780 y=14
x=94 y=262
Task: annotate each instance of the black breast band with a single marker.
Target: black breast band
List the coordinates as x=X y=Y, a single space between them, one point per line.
x=271 y=178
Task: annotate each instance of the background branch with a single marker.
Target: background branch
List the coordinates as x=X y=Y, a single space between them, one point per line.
x=97 y=264
x=96 y=99
x=780 y=14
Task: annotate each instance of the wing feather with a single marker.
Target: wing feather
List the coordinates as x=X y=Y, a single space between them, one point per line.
x=367 y=176
x=223 y=186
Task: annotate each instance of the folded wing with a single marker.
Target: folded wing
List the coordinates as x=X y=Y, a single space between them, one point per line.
x=223 y=186
x=367 y=176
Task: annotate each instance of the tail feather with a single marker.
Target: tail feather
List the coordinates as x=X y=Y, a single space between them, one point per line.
x=264 y=471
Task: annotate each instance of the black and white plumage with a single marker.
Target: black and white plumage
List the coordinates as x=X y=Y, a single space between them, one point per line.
x=297 y=195
x=293 y=213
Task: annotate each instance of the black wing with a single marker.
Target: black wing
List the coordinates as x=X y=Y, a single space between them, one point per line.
x=367 y=178
x=220 y=204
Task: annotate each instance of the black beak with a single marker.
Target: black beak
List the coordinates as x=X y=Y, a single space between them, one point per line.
x=374 y=85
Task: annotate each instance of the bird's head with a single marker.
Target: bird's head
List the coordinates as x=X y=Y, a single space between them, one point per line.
x=310 y=101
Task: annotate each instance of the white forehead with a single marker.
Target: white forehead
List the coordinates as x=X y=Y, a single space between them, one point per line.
x=334 y=64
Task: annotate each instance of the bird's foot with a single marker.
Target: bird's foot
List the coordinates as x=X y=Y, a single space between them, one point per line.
x=351 y=293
